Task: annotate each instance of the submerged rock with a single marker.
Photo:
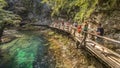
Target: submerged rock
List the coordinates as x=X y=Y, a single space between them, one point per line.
x=91 y=66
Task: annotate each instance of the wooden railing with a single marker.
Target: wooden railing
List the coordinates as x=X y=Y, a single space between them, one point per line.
x=73 y=30
x=113 y=59
x=107 y=55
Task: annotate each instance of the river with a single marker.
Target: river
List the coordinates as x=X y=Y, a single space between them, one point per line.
x=28 y=51
x=32 y=50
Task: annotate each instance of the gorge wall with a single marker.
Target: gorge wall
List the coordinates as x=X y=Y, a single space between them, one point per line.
x=106 y=12
x=31 y=11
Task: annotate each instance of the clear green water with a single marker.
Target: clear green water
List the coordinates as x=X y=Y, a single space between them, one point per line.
x=22 y=52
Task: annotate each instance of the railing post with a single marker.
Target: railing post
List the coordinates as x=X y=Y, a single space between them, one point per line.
x=55 y=25
x=79 y=35
x=63 y=26
x=67 y=28
x=77 y=44
x=84 y=38
x=59 y=26
x=70 y=29
x=74 y=32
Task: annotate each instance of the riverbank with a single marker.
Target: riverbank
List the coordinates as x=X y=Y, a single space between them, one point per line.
x=8 y=36
x=66 y=55
x=13 y=33
x=58 y=52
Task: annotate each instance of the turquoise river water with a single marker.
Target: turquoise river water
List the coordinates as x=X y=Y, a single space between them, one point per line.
x=28 y=51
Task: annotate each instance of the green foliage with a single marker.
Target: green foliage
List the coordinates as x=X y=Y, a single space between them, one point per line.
x=28 y=4
x=78 y=9
x=55 y=5
x=2 y=3
x=7 y=17
x=107 y=4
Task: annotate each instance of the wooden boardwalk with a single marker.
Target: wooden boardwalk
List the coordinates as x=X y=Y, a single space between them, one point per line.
x=106 y=55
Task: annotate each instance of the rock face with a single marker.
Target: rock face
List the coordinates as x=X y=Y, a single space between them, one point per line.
x=110 y=21
x=30 y=10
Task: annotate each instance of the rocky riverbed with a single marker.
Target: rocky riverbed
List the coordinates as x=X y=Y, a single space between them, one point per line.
x=44 y=48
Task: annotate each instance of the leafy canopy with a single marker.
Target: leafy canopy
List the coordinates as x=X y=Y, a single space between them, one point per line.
x=7 y=17
x=78 y=9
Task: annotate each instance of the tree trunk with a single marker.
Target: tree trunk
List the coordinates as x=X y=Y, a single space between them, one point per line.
x=1 y=32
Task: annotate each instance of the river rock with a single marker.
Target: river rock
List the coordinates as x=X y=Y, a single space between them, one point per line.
x=92 y=66
x=118 y=51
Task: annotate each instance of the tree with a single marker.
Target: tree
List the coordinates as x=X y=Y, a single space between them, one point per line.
x=76 y=9
x=79 y=10
x=6 y=18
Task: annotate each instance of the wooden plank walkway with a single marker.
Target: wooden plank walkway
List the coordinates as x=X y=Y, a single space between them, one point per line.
x=108 y=56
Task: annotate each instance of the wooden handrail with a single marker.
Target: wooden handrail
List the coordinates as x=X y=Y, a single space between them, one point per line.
x=108 y=56
x=103 y=37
